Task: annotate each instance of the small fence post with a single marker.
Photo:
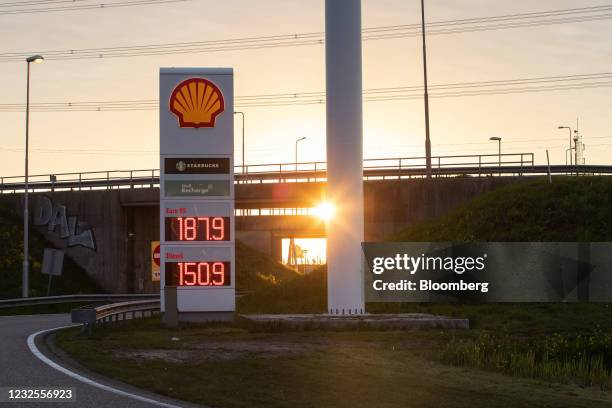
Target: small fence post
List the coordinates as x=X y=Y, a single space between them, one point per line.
x=108 y=180
x=131 y=181
x=80 y=180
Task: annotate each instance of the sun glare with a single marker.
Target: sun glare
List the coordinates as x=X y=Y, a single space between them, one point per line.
x=325 y=210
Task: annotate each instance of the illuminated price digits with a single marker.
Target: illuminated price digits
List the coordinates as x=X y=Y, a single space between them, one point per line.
x=201 y=273
x=190 y=228
x=218 y=228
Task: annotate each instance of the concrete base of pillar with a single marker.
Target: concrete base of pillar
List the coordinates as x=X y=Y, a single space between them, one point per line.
x=203 y=317
x=381 y=321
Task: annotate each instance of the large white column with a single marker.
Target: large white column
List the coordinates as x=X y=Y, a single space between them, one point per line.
x=344 y=156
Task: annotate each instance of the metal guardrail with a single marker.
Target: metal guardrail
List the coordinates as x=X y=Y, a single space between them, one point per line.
x=509 y=163
x=92 y=316
x=87 y=298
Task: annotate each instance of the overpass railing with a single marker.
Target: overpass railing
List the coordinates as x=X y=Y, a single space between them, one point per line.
x=402 y=167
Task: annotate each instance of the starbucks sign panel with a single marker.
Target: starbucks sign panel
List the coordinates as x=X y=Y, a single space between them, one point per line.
x=197 y=191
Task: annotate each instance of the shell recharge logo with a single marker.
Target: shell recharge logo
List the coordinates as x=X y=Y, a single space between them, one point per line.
x=197 y=102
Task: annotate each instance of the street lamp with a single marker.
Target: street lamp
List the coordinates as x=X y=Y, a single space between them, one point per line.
x=296 y=151
x=26 y=267
x=498 y=140
x=242 y=114
x=570 y=138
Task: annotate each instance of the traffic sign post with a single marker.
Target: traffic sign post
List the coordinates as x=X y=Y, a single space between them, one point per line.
x=197 y=191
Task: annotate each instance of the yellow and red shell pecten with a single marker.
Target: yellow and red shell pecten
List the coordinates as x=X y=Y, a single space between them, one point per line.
x=197 y=102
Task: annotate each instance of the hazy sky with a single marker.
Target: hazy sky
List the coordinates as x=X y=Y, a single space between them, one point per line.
x=527 y=122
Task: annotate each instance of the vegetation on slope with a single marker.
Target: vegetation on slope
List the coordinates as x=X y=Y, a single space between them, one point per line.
x=73 y=280
x=569 y=209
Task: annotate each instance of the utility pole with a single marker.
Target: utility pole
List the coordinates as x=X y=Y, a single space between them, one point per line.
x=427 y=139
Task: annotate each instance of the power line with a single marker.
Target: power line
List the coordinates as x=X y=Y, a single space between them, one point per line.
x=445 y=27
x=36 y=3
x=50 y=8
x=399 y=93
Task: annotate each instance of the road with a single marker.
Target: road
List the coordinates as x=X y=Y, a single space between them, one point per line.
x=19 y=367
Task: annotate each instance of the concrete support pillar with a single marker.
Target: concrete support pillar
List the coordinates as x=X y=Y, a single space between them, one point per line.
x=344 y=156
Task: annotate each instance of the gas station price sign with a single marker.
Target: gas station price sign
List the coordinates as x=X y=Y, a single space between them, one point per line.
x=197 y=191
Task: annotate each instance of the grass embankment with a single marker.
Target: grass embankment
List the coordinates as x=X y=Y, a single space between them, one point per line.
x=541 y=345
x=256 y=271
x=73 y=279
x=569 y=209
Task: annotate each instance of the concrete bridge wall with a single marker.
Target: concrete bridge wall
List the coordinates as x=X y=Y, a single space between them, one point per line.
x=109 y=232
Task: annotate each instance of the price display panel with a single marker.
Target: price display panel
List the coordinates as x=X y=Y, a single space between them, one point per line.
x=203 y=273
x=194 y=222
x=197 y=229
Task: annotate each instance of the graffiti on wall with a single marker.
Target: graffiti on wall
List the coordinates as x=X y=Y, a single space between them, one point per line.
x=69 y=228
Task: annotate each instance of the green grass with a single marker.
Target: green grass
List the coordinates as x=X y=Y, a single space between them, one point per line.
x=582 y=359
x=229 y=366
x=73 y=279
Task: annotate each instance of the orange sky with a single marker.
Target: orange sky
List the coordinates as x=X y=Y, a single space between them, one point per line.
x=76 y=141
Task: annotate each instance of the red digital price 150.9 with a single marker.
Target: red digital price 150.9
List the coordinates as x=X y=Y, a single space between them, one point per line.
x=197 y=229
x=198 y=273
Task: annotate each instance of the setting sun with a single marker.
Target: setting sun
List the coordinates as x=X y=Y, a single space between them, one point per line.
x=325 y=210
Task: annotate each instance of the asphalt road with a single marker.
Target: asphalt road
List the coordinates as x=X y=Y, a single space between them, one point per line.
x=20 y=368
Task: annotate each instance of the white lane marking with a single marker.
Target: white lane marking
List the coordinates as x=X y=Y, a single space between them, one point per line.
x=44 y=359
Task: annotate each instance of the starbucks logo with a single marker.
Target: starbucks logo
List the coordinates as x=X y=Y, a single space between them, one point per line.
x=181 y=166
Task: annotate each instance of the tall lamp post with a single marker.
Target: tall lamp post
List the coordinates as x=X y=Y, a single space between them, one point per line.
x=26 y=267
x=296 y=151
x=570 y=139
x=426 y=95
x=498 y=140
x=242 y=114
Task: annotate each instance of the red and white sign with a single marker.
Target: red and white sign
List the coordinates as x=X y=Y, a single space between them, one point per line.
x=155 y=261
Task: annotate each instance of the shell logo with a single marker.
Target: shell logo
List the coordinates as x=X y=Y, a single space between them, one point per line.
x=197 y=102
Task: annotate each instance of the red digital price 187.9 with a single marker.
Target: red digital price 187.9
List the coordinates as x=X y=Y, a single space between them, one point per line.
x=198 y=273
x=197 y=228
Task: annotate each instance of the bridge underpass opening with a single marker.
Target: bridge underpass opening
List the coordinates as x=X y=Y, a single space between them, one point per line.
x=304 y=254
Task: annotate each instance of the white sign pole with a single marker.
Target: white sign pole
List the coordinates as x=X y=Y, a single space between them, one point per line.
x=345 y=230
